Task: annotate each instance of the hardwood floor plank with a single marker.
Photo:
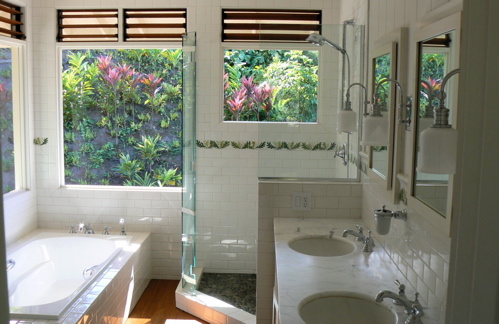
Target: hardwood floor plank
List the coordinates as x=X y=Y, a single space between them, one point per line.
x=157 y=304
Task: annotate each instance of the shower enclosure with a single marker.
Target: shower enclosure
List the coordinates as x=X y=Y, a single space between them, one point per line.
x=189 y=159
x=315 y=151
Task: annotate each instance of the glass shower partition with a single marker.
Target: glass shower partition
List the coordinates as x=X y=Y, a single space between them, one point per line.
x=189 y=280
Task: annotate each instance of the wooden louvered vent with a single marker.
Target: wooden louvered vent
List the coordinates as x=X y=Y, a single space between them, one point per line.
x=11 y=20
x=155 y=24
x=290 y=26
x=88 y=25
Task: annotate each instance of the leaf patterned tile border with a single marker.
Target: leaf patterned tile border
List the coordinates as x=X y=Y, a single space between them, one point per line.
x=354 y=159
x=253 y=145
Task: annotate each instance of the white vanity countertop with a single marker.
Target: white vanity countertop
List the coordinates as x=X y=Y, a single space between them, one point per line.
x=300 y=275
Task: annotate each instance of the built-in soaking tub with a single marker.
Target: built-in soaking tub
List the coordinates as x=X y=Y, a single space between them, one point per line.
x=58 y=276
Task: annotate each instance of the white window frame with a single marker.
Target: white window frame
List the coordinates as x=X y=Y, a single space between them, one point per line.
x=20 y=120
x=60 y=130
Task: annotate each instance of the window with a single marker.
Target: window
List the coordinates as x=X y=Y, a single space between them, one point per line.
x=122 y=107
x=10 y=118
x=122 y=116
x=273 y=85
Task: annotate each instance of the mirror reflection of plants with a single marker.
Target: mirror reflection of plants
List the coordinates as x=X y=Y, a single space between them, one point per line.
x=122 y=111
x=432 y=73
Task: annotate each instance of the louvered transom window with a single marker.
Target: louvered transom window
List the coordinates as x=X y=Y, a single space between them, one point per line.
x=11 y=20
x=155 y=24
x=88 y=25
x=289 y=26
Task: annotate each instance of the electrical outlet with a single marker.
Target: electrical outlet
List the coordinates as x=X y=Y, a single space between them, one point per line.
x=301 y=201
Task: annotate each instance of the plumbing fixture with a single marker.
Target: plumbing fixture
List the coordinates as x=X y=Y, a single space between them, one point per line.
x=122 y=223
x=413 y=308
x=88 y=272
x=367 y=241
x=320 y=40
x=10 y=264
x=72 y=230
x=343 y=154
x=85 y=228
x=106 y=230
x=383 y=216
x=401 y=292
x=331 y=233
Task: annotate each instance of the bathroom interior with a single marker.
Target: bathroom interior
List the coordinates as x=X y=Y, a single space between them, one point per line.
x=236 y=203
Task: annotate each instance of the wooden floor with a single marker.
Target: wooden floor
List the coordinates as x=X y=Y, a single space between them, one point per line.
x=157 y=304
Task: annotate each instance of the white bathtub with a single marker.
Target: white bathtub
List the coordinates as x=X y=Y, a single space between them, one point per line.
x=53 y=269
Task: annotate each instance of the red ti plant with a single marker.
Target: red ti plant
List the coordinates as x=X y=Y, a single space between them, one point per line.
x=105 y=63
x=236 y=104
x=151 y=83
x=262 y=95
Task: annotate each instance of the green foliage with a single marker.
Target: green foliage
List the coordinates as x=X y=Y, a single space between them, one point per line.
x=270 y=85
x=117 y=106
x=168 y=177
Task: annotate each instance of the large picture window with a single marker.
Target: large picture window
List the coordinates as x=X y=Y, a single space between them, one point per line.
x=122 y=116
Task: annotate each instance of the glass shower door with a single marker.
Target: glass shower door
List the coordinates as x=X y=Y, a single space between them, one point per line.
x=189 y=158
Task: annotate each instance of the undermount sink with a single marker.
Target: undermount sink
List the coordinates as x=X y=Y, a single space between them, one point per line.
x=344 y=307
x=322 y=246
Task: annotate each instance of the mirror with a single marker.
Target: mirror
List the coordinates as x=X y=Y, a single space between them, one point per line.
x=437 y=45
x=383 y=66
x=437 y=57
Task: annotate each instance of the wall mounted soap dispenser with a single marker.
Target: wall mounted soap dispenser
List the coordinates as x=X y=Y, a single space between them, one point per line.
x=383 y=217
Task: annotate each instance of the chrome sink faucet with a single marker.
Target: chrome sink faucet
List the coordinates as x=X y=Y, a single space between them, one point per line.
x=85 y=228
x=367 y=241
x=413 y=308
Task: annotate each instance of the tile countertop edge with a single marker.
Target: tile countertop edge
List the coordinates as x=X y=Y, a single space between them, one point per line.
x=300 y=276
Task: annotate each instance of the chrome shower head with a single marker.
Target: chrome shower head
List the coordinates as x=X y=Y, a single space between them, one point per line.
x=320 y=40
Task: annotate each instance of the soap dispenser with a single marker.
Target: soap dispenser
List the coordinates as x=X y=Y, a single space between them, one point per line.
x=382 y=217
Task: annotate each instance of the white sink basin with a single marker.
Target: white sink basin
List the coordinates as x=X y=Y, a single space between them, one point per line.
x=322 y=246
x=344 y=307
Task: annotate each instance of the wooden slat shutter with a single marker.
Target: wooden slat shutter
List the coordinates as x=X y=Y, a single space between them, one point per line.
x=155 y=24
x=261 y=25
x=11 y=20
x=88 y=25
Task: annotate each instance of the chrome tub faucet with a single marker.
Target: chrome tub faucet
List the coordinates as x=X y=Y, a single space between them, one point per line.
x=85 y=228
x=122 y=223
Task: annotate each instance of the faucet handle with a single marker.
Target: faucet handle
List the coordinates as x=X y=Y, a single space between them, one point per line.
x=400 y=285
x=72 y=230
x=106 y=230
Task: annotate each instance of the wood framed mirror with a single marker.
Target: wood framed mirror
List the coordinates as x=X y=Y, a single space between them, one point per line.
x=437 y=54
x=387 y=60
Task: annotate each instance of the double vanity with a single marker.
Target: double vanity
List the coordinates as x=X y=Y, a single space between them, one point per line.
x=324 y=277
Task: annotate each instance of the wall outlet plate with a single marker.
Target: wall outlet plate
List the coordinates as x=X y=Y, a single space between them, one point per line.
x=301 y=201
